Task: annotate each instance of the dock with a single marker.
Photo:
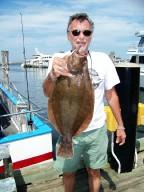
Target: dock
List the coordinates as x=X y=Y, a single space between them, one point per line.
x=45 y=179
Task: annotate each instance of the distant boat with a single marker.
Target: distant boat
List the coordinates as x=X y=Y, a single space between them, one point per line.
x=39 y=60
x=137 y=55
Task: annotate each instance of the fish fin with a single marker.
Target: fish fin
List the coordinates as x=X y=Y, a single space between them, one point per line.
x=65 y=148
x=51 y=116
x=84 y=124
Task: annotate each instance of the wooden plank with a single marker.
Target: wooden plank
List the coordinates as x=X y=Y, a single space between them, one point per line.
x=45 y=179
x=8 y=185
x=4 y=152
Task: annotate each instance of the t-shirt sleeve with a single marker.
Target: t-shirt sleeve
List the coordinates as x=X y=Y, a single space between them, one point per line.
x=111 y=76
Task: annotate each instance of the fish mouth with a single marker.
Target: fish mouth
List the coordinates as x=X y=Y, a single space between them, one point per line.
x=81 y=45
x=80 y=50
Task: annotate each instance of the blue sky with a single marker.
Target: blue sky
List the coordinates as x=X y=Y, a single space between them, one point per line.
x=45 y=23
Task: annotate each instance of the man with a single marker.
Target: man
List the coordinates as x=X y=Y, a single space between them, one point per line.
x=91 y=145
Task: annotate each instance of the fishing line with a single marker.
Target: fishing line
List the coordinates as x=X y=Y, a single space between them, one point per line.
x=30 y=122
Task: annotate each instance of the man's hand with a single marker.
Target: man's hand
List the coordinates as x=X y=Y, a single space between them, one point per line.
x=121 y=136
x=60 y=67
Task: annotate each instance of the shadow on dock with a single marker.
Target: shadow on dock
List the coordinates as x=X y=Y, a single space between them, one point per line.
x=82 y=181
x=105 y=176
x=20 y=183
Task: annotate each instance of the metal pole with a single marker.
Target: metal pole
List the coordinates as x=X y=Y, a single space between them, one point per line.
x=29 y=107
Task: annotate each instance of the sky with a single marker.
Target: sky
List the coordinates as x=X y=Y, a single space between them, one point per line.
x=45 y=23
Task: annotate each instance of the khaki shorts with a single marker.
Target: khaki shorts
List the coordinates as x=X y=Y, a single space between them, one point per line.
x=89 y=148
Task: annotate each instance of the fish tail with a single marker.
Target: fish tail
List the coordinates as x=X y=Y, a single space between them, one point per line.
x=65 y=149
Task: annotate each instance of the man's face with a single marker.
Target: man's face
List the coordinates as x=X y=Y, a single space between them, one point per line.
x=81 y=38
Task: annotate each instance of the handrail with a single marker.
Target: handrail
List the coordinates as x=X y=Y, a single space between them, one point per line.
x=19 y=113
x=15 y=106
x=9 y=95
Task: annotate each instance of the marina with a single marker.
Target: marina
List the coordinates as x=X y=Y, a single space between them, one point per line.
x=34 y=172
x=32 y=34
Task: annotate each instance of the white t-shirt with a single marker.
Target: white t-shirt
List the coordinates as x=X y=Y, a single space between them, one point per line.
x=104 y=76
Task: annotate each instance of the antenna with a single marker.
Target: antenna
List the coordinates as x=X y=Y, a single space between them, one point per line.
x=30 y=122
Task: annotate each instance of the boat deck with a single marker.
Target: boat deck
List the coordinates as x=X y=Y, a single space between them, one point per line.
x=6 y=125
x=45 y=179
x=5 y=121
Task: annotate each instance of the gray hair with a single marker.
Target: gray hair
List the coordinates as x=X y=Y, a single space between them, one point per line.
x=81 y=17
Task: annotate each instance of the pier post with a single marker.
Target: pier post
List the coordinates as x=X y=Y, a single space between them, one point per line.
x=5 y=60
x=7 y=184
x=5 y=67
x=128 y=91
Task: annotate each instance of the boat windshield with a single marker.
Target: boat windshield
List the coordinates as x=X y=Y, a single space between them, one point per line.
x=141 y=43
x=141 y=59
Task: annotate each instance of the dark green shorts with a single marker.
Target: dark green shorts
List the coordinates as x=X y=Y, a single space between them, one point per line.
x=90 y=148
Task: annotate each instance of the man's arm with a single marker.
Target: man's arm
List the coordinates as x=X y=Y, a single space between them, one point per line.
x=113 y=101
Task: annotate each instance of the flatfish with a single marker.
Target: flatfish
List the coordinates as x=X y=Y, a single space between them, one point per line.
x=70 y=107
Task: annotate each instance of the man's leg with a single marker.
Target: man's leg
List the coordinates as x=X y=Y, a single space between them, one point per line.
x=95 y=157
x=69 y=182
x=94 y=180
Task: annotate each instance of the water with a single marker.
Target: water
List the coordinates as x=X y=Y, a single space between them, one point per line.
x=17 y=75
x=141 y=96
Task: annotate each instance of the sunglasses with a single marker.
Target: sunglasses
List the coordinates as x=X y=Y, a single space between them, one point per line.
x=77 y=32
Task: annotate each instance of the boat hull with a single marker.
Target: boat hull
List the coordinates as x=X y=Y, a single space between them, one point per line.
x=28 y=150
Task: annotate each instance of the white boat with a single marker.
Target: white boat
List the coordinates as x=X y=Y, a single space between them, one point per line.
x=28 y=144
x=39 y=60
x=137 y=55
x=25 y=137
